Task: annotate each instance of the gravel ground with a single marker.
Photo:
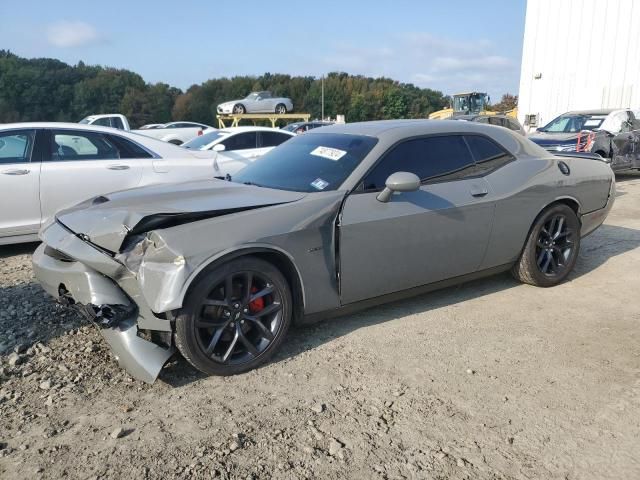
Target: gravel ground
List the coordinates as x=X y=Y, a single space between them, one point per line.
x=490 y=380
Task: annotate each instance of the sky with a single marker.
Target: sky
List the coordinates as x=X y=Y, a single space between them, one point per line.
x=451 y=46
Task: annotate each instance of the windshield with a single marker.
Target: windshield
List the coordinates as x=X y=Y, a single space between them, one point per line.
x=203 y=141
x=85 y=120
x=573 y=123
x=308 y=163
x=469 y=103
x=251 y=96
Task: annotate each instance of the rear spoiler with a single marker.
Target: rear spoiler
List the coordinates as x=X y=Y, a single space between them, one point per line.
x=592 y=156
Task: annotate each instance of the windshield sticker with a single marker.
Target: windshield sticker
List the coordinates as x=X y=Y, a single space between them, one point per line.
x=319 y=184
x=328 y=152
x=593 y=123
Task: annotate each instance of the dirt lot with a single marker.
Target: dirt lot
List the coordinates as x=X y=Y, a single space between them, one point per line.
x=492 y=379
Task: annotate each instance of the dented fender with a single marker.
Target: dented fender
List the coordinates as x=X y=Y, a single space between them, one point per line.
x=167 y=261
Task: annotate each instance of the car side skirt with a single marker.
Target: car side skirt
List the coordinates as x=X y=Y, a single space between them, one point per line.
x=401 y=295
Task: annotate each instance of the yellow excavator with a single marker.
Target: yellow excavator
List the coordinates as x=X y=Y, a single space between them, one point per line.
x=469 y=103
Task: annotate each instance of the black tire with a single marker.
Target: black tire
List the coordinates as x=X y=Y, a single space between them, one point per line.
x=223 y=322
x=551 y=250
x=238 y=109
x=281 y=109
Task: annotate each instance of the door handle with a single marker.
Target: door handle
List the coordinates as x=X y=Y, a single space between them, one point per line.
x=15 y=172
x=478 y=191
x=118 y=167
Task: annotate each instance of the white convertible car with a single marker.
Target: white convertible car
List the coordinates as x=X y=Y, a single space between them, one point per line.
x=45 y=167
x=257 y=102
x=236 y=147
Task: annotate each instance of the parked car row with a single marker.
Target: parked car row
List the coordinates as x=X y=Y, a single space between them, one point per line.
x=172 y=132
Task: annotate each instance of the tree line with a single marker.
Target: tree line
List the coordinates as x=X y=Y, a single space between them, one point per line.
x=45 y=89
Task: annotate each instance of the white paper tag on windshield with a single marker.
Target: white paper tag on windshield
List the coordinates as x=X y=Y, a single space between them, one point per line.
x=593 y=123
x=328 y=152
x=319 y=184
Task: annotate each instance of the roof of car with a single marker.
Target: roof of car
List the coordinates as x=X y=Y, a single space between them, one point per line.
x=399 y=128
x=602 y=111
x=249 y=129
x=76 y=126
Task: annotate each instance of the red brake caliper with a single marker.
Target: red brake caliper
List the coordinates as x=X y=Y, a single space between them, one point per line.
x=257 y=304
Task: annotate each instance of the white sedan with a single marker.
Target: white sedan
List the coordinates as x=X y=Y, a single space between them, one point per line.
x=236 y=147
x=45 y=167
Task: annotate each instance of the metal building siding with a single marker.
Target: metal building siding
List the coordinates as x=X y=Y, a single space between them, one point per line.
x=588 y=53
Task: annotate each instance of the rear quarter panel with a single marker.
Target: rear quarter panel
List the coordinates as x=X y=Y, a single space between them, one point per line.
x=527 y=186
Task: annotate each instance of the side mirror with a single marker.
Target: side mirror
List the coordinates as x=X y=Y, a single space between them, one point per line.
x=219 y=147
x=399 y=182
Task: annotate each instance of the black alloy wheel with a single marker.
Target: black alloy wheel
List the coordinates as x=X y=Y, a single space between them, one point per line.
x=236 y=317
x=555 y=245
x=552 y=248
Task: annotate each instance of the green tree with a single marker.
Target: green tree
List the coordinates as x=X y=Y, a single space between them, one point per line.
x=47 y=89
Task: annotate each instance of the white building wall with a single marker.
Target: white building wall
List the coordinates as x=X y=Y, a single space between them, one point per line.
x=587 y=54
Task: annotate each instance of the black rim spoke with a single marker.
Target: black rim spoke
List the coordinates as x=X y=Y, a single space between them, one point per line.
x=262 y=329
x=231 y=348
x=248 y=282
x=251 y=348
x=228 y=289
x=214 y=341
x=265 y=291
x=238 y=318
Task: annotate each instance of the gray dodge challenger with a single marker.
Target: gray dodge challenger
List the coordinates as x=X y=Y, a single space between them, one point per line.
x=341 y=218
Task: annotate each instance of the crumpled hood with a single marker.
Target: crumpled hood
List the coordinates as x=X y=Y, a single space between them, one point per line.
x=546 y=138
x=107 y=219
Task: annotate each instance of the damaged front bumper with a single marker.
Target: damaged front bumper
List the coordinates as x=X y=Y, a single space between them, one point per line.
x=80 y=275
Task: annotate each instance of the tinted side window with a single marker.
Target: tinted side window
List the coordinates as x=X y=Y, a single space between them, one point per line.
x=103 y=122
x=78 y=145
x=487 y=154
x=241 y=141
x=16 y=145
x=433 y=158
x=128 y=149
x=117 y=123
x=273 y=139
